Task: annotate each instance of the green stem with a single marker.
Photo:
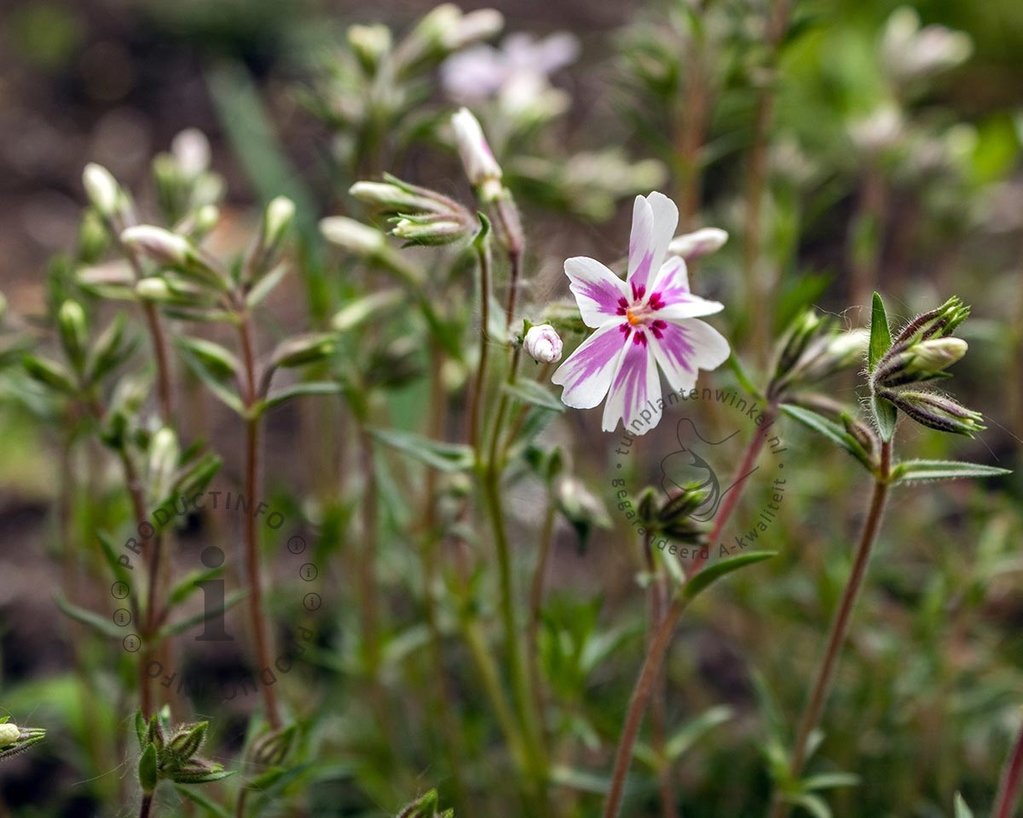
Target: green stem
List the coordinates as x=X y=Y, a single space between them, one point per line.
x=253 y=492
x=536 y=589
x=840 y=626
x=476 y=401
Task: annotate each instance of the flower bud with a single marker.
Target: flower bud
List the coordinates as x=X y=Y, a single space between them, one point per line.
x=163 y=462
x=277 y=218
x=186 y=742
x=273 y=748
x=370 y=45
x=304 y=349
x=395 y=196
x=935 y=411
x=478 y=160
x=481 y=24
x=354 y=236
x=910 y=52
x=191 y=151
x=879 y=131
x=153 y=289
x=9 y=733
x=692 y=246
x=543 y=344
x=159 y=244
x=922 y=361
x=580 y=506
x=74 y=334
x=429 y=230
x=102 y=189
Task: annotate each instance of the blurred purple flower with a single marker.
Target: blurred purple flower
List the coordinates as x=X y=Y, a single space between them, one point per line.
x=517 y=72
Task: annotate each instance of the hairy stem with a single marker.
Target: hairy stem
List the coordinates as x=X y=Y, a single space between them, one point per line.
x=1009 y=784
x=660 y=640
x=839 y=627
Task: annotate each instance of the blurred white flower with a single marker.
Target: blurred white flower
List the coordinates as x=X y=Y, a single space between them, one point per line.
x=543 y=344
x=692 y=246
x=516 y=74
x=910 y=52
x=878 y=131
x=191 y=149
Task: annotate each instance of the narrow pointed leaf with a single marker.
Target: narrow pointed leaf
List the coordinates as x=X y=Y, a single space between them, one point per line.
x=880 y=333
x=919 y=470
x=831 y=430
x=533 y=393
x=441 y=456
x=715 y=571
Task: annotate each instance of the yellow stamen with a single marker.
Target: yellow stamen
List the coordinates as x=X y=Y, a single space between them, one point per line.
x=632 y=319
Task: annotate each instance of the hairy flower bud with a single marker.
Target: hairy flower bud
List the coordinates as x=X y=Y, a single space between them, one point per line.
x=429 y=230
x=543 y=344
x=692 y=246
x=478 y=160
x=935 y=411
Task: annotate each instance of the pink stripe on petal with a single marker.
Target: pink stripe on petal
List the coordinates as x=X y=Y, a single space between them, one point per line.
x=674 y=352
x=586 y=374
x=635 y=392
x=672 y=281
x=597 y=290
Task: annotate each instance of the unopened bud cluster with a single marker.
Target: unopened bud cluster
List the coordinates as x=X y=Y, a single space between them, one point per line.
x=419 y=215
x=812 y=349
x=920 y=353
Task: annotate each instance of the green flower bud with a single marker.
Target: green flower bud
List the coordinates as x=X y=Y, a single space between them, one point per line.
x=354 y=236
x=153 y=288
x=304 y=349
x=935 y=411
x=9 y=733
x=429 y=230
x=186 y=742
x=74 y=333
x=102 y=189
x=277 y=218
x=273 y=748
x=370 y=45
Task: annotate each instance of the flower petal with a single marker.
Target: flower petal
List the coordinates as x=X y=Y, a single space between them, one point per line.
x=597 y=290
x=681 y=348
x=635 y=390
x=654 y=219
x=587 y=373
x=690 y=306
x=672 y=281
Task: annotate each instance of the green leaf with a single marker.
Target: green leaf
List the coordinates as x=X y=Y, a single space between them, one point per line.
x=266 y=285
x=813 y=804
x=962 y=810
x=190 y=584
x=886 y=416
x=880 y=334
x=827 y=781
x=448 y=457
x=918 y=470
x=212 y=368
x=183 y=625
x=580 y=780
x=715 y=571
x=533 y=393
x=148 y=774
x=201 y=801
x=743 y=377
x=52 y=374
x=298 y=390
x=694 y=730
x=119 y=570
x=831 y=430
x=99 y=623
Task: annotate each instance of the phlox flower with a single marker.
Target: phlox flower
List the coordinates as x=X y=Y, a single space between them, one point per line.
x=517 y=73
x=646 y=322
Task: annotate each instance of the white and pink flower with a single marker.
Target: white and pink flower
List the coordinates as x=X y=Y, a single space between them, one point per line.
x=646 y=322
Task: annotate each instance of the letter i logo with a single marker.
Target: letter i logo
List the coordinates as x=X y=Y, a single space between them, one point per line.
x=213 y=629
